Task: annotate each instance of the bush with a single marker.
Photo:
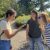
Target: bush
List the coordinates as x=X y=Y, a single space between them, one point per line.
x=22 y=19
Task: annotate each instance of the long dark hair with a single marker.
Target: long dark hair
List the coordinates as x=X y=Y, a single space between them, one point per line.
x=33 y=11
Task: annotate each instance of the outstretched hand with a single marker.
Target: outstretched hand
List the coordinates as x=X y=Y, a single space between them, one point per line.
x=21 y=27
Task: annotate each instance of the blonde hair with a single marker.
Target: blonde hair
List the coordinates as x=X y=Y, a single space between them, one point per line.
x=44 y=16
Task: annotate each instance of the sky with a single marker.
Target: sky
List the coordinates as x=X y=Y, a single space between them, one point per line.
x=48 y=9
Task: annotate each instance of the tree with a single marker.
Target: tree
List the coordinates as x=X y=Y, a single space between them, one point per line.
x=24 y=6
x=41 y=4
x=5 y=5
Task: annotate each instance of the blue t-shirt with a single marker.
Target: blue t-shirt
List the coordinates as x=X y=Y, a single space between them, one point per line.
x=34 y=30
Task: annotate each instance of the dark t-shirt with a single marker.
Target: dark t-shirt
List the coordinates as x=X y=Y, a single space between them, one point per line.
x=34 y=30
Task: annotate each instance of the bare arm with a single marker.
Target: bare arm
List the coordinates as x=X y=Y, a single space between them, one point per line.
x=27 y=30
x=10 y=34
x=42 y=28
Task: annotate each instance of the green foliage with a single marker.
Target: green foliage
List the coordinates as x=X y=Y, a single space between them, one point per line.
x=41 y=5
x=48 y=13
x=22 y=19
x=5 y=5
x=25 y=6
x=22 y=6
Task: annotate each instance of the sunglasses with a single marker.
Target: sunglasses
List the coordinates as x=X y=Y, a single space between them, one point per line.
x=39 y=17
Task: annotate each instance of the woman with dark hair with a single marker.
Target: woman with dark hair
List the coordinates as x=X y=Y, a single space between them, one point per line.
x=34 y=32
x=6 y=32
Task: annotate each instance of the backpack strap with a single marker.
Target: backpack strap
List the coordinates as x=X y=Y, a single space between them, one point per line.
x=1 y=35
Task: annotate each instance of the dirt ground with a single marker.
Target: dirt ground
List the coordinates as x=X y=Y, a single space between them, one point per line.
x=17 y=40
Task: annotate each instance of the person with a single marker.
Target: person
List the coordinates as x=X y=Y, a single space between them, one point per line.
x=33 y=32
x=6 y=31
x=45 y=27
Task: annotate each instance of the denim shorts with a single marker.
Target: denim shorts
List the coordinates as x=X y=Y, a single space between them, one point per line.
x=5 y=45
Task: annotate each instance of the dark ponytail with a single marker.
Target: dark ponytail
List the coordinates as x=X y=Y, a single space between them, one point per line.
x=10 y=12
